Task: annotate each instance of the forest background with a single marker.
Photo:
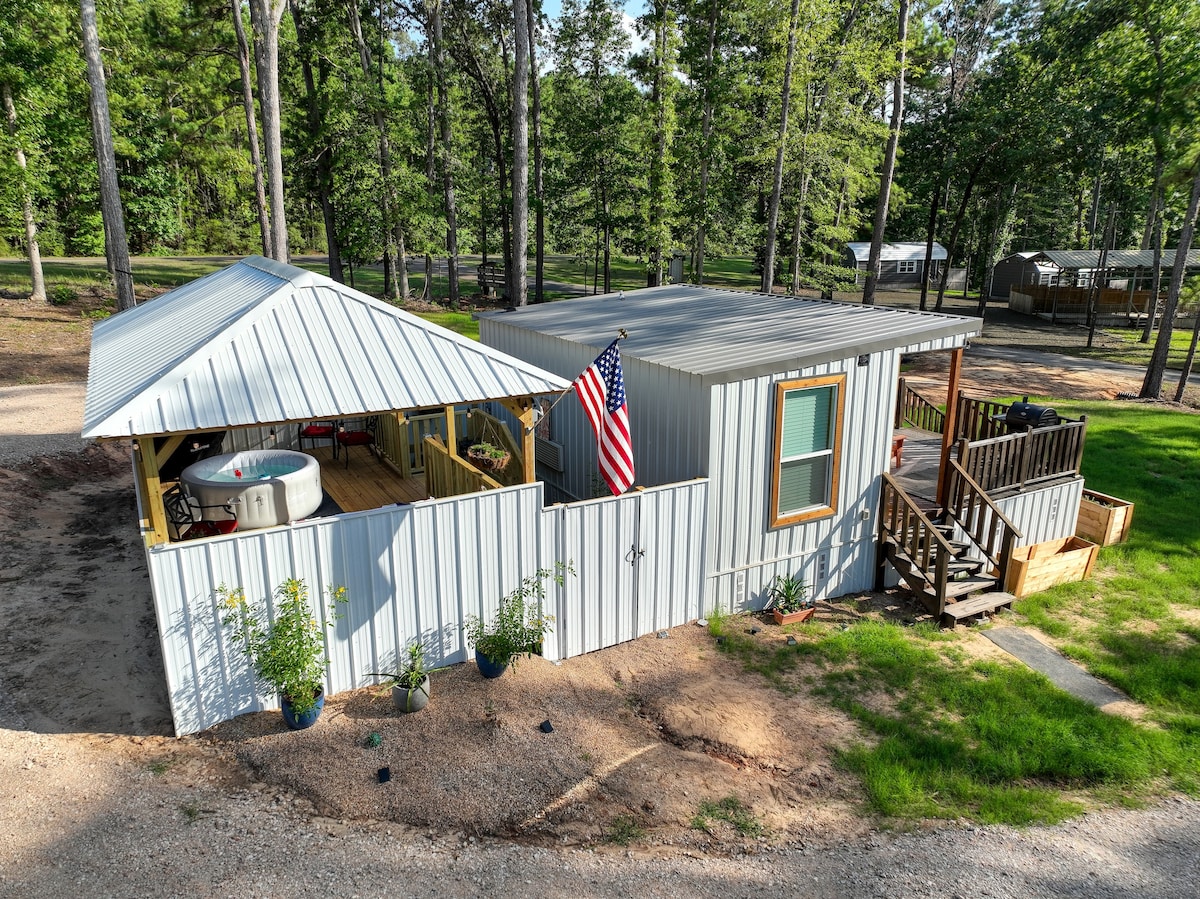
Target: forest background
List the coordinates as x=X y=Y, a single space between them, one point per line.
x=1024 y=123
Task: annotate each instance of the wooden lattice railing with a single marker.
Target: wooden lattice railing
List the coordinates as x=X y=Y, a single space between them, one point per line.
x=980 y=419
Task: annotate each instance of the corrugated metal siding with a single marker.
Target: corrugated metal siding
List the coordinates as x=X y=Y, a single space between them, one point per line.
x=410 y=571
x=742 y=545
x=639 y=571
x=268 y=350
x=1045 y=514
x=416 y=571
x=668 y=413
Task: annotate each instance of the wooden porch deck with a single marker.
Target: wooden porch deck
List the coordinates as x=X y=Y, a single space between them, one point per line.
x=920 y=458
x=368 y=483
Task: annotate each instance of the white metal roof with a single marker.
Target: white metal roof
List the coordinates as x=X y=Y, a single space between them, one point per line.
x=895 y=252
x=729 y=335
x=1090 y=259
x=262 y=342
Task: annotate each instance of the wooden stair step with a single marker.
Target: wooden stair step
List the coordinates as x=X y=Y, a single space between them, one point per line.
x=963 y=566
x=971 y=584
x=979 y=604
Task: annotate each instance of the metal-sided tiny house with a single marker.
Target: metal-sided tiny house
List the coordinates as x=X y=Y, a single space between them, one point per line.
x=787 y=407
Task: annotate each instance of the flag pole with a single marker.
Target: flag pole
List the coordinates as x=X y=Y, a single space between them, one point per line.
x=621 y=335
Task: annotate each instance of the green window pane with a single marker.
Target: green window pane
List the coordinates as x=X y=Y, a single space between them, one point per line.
x=803 y=484
x=807 y=421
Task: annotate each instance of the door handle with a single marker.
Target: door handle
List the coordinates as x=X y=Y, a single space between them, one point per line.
x=634 y=554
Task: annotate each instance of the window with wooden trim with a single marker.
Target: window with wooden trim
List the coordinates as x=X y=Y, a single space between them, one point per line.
x=808 y=428
x=907 y=267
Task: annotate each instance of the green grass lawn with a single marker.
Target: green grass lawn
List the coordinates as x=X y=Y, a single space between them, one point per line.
x=951 y=736
x=1133 y=352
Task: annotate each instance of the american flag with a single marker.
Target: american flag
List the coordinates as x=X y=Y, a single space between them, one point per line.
x=601 y=389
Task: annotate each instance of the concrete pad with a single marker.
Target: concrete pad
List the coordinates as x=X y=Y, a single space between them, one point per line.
x=1061 y=671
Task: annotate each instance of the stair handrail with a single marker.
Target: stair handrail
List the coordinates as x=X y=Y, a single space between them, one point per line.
x=966 y=492
x=917 y=535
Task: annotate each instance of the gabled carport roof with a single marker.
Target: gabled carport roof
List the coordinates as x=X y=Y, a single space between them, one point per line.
x=261 y=342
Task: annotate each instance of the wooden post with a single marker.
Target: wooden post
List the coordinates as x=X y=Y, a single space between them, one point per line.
x=523 y=410
x=151 y=489
x=951 y=424
x=451 y=432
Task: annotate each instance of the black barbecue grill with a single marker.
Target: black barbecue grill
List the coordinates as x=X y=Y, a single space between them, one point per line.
x=1027 y=415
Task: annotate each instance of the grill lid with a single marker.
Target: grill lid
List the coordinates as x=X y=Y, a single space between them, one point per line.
x=1030 y=416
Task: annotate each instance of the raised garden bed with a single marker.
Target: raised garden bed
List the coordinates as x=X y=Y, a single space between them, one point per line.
x=1045 y=565
x=1103 y=519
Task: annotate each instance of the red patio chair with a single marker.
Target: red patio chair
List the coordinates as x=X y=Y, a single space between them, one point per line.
x=363 y=436
x=186 y=518
x=319 y=430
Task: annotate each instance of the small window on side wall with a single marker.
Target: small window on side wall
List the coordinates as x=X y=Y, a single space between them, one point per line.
x=808 y=429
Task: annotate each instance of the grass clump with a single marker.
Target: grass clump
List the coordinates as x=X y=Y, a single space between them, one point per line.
x=624 y=830
x=733 y=812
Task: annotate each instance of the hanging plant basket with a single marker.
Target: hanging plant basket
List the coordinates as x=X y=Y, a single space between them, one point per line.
x=487 y=457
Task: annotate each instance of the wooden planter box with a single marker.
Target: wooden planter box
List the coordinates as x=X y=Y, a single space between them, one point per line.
x=1103 y=519
x=1043 y=565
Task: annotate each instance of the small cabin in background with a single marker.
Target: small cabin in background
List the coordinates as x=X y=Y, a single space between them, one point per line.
x=900 y=264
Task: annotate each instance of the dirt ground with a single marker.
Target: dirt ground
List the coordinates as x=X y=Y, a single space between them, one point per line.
x=643 y=733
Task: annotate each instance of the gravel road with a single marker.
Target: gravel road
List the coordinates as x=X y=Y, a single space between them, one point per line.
x=83 y=821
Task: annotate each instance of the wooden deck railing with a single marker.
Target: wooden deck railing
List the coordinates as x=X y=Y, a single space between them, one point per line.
x=915 y=533
x=980 y=419
x=451 y=475
x=1017 y=461
x=985 y=525
x=402 y=442
x=914 y=411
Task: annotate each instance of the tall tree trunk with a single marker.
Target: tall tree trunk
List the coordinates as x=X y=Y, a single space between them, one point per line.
x=1156 y=275
x=518 y=278
x=260 y=188
x=265 y=16
x=539 y=194
x=889 y=162
x=714 y=16
x=116 y=247
x=768 y=275
x=1189 y=361
x=438 y=49
x=37 y=280
x=387 y=199
x=1152 y=384
x=658 y=167
x=324 y=160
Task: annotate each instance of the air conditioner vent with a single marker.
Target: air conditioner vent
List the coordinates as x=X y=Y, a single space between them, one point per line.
x=548 y=453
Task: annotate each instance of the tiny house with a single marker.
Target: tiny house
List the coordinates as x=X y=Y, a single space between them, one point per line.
x=785 y=405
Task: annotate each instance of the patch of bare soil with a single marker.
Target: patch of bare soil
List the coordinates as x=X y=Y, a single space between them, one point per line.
x=643 y=734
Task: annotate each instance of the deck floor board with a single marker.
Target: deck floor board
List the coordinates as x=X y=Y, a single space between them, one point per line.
x=367 y=483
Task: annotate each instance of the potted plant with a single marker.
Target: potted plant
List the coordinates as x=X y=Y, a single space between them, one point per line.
x=287 y=649
x=788 y=600
x=487 y=456
x=410 y=685
x=518 y=627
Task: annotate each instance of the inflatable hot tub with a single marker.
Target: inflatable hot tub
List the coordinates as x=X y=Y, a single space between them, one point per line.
x=268 y=487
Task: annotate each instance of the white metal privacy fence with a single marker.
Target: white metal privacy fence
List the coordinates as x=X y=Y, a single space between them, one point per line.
x=416 y=571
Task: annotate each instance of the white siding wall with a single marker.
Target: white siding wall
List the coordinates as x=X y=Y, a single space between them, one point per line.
x=835 y=555
x=667 y=414
x=414 y=572
x=1046 y=514
x=410 y=571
